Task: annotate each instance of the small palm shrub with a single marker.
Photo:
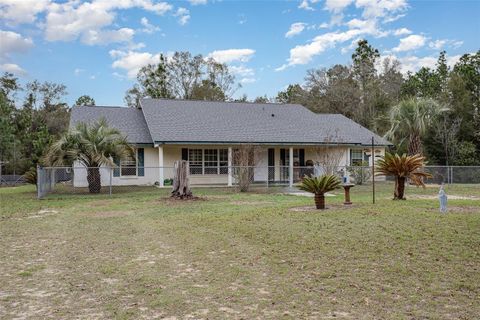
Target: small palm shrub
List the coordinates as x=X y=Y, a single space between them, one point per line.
x=402 y=168
x=319 y=186
x=31 y=176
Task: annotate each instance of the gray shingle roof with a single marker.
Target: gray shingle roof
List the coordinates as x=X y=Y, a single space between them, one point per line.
x=129 y=121
x=177 y=121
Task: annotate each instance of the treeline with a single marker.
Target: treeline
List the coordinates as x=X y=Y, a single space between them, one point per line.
x=440 y=107
x=26 y=130
x=437 y=110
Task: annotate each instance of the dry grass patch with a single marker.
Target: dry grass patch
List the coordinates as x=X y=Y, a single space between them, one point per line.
x=233 y=256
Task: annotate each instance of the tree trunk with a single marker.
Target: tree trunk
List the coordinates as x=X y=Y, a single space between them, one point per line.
x=94 y=180
x=399 y=193
x=414 y=145
x=181 y=184
x=320 y=200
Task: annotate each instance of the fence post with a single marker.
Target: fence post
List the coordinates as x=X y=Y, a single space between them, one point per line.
x=230 y=173
x=451 y=175
x=110 y=187
x=39 y=178
x=268 y=175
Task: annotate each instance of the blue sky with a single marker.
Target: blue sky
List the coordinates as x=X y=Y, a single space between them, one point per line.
x=95 y=47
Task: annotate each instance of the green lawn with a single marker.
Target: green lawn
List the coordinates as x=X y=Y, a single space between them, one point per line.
x=259 y=255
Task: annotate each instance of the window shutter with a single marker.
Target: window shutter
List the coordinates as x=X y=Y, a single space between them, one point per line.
x=116 y=170
x=282 y=157
x=185 y=154
x=350 y=157
x=301 y=156
x=141 y=162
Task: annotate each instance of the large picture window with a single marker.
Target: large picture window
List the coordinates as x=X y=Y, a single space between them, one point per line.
x=208 y=161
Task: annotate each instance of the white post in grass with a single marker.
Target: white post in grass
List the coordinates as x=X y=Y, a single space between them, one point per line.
x=160 y=166
x=230 y=169
x=290 y=167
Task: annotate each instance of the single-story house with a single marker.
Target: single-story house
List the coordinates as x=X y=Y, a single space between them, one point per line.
x=288 y=137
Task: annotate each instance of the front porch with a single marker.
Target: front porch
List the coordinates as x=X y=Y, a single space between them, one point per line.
x=216 y=164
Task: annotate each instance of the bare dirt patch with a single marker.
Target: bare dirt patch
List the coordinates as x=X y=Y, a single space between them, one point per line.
x=331 y=207
x=108 y=214
x=450 y=197
x=251 y=203
x=458 y=209
x=174 y=201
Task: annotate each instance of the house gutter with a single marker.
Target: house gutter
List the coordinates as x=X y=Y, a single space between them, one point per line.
x=157 y=143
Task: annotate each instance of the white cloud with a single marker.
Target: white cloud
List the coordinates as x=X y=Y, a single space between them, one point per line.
x=337 y=5
x=411 y=42
x=132 y=61
x=13 y=42
x=12 y=68
x=295 y=28
x=413 y=63
x=306 y=4
x=441 y=43
x=102 y=37
x=402 y=32
x=380 y=8
x=183 y=15
x=303 y=54
x=231 y=55
x=242 y=71
x=147 y=26
x=197 y=2
x=22 y=11
x=247 y=80
x=90 y=20
x=358 y=24
x=78 y=71
x=374 y=12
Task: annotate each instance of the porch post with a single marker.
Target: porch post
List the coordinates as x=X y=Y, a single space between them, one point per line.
x=160 y=166
x=290 y=167
x=230 y=173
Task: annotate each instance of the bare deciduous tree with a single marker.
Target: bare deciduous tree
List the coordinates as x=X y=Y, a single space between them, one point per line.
x=329 y=156
x=245 y=158
x=446 y=132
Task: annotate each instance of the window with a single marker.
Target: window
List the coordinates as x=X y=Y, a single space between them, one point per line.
x=128 y=168
x=195 y=161
x=223 y=160
x=356 y=157
x=131 y=167
x=211 y=161
x=208 y=161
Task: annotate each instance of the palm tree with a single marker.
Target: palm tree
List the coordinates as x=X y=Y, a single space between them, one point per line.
x=411 y=119
x=402 y=168
x=92 y=146
x=319 y=186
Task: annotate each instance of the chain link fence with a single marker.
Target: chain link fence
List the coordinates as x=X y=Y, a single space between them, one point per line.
x=106 y=180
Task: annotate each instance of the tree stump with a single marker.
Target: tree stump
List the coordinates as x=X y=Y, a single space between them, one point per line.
x=181 y=183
